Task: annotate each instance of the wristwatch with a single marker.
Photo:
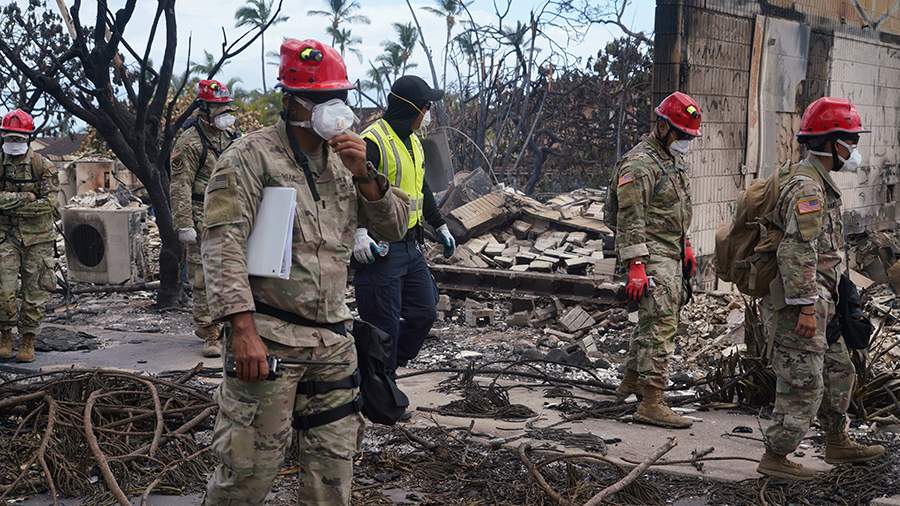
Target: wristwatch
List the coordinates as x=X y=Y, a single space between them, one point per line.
x=371 y=174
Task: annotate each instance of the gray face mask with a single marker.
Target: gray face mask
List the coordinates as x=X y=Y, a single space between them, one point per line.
x=681 y=146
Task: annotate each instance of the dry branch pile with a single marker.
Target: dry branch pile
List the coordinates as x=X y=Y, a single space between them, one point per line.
x=102 y=434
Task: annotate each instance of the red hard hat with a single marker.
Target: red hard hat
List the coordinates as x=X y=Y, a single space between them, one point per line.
x=309 y=65
x=829 y=115
x=18 y=121
x=209 y=90
x=682 y=111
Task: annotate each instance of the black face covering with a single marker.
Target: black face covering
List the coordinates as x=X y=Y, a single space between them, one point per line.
x=401 y=115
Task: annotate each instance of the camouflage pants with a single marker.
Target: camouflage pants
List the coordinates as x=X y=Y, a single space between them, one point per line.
x=653 y=341
x=812 y=378
x=36 y=266
x=253 y=432
x=202 y=319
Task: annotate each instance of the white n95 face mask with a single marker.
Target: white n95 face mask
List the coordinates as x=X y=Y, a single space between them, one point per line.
x=851 y=164
x=15 y=148
x=426 y=120
x=224 y=121
x=681 y=146
x=329 y=119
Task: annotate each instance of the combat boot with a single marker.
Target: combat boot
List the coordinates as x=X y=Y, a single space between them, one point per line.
x=26 y=349
x=6 y=344
x=779 y=466
x=212 y=346
x=629 y=385
x=653 y=411
x=840 y=449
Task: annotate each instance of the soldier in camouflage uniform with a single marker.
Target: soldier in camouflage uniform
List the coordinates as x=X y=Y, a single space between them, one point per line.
x=813 y=377
x=303 y=317
x=193 y=158
x=653 y=202
x=28 y=210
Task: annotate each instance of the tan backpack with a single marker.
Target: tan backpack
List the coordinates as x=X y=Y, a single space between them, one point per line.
x=746 y=248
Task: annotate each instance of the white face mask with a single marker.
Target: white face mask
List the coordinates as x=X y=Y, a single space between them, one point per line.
x=680 y=146
x=224 y=121
x=847 y=164
x=426 y=120
x=15 y=148
x=850 y=164
x=329 y=119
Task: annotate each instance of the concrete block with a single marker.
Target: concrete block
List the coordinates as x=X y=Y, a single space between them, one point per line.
x=540 y=266
x=519 y=268
x=521 y=228
x=520 y=319
x=479 y=317
x=576 y=319
x=443 y=303
x=493 y=250
x=504 y=261
x=476 y=246
x=577 y=238
x=525 y=258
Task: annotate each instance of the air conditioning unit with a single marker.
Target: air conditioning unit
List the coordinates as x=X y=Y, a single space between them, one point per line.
x=105 y=246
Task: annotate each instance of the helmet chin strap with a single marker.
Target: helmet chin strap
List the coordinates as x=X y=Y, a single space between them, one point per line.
x=836 y=162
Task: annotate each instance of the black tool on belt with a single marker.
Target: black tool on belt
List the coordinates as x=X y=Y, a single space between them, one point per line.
x=275 y=365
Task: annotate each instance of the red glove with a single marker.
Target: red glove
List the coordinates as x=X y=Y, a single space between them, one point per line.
x=690 y=260
x=637 y=281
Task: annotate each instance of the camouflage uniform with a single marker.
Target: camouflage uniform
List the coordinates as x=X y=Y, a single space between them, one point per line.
x=187 y=189
x=652 y=222
x=27 y=235
x=253 y=428
x=813 y=377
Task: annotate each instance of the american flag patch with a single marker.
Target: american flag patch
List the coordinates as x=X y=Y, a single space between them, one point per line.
x=625 y=179
x=809 y=205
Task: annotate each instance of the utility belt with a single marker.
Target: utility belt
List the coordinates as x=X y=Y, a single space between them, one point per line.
x=287 y=316
x=379 y=400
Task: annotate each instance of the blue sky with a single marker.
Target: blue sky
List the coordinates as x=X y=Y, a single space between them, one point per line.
x=204 y=23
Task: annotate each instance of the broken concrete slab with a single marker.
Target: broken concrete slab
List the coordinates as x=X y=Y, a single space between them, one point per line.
x=576 y=319
x=478 y=216
x=563 y=286
x=521 y=228
x=540 y=266
x=495 y=249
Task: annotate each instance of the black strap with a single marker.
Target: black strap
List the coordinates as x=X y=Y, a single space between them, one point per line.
x=198 y=197
x=287 y=316
x=303 y=161
x=305 y=423
x=323 y=387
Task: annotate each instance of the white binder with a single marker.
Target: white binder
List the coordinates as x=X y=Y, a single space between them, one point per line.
x=269 y=245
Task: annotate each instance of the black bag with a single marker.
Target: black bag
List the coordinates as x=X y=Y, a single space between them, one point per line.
x=849 y=321
x=382 y=401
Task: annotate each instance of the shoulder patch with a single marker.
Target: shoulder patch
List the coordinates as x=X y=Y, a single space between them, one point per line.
x=218 y=182
x=807 y=205
x=625 y=179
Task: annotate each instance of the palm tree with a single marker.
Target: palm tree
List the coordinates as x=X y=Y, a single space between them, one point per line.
x=204 y=68
x=376 y=79
x=344 y=40
x=341 y=12
x=256 y=14
x=407 y=35
x=447 y=9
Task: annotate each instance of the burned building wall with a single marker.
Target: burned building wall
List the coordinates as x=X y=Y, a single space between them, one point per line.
x=754 y=67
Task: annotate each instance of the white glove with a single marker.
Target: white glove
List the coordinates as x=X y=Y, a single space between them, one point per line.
x=187 y=235
x=362 y=247
x=447 y=240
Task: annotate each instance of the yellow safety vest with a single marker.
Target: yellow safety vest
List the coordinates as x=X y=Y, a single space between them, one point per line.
x=402 y=169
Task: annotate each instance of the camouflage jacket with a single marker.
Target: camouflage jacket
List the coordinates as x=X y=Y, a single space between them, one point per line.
x=31 y=222
x=322 y=237
x=189 y=180
x=654 y=196
x=811 y=255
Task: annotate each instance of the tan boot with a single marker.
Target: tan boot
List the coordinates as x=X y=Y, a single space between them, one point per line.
x=212 y=344
x=779 y=466
x=6 y=344
x=653 y=411
x=26 y=349
x=629 y=385
x=840 y=449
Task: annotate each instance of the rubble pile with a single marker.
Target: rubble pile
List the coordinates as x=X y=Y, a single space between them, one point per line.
x=498 y=228
x=120 y=198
